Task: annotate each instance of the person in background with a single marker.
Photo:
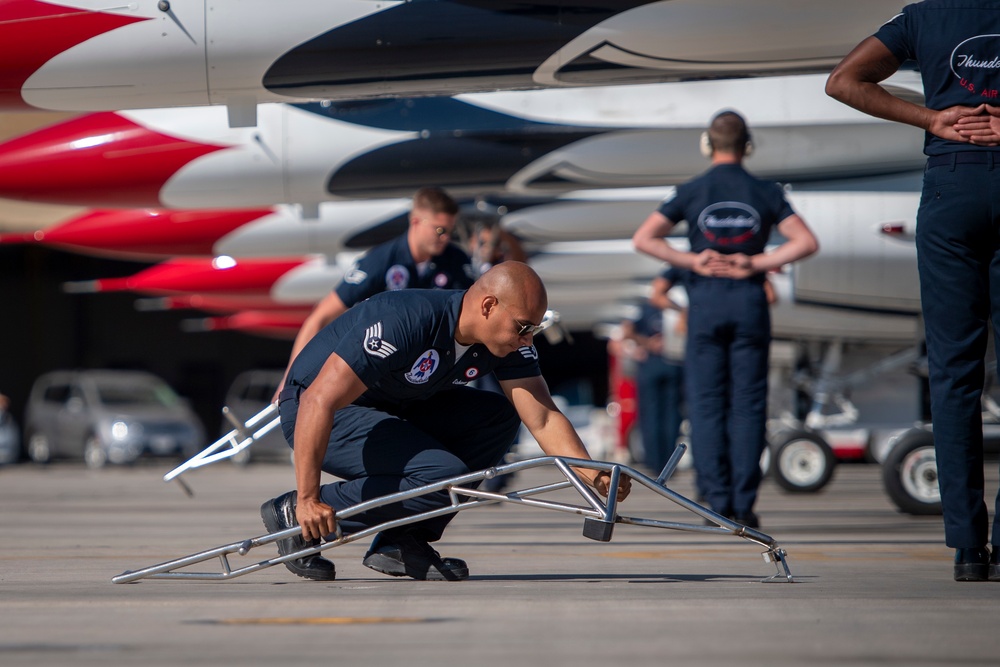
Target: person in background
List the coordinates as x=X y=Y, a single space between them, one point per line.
x=659 y=334
x=424 y=257
x=730 y=215
x=958 y=249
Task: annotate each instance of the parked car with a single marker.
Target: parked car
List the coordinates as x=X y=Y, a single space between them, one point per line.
x=108 y=416
x=10 y=435
x=250 y=393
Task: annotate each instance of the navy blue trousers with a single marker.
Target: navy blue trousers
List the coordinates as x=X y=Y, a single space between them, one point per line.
x=729 y=336
x=958 y=240
x=660 y=385
x=377 y=453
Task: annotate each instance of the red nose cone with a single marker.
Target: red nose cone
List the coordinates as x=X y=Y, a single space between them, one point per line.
x=33 y=32
x=202 y=276
x=272 y=325
x=100 y=159
x=146 y=234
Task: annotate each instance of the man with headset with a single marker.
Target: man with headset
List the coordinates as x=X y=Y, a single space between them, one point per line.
x=730 y=214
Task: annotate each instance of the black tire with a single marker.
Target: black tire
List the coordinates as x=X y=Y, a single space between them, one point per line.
x=909 y=474
x=801 y=461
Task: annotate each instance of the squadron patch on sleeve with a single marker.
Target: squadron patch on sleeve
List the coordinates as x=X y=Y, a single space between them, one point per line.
x=355 y=276
x=375 y=345
x=528 y=352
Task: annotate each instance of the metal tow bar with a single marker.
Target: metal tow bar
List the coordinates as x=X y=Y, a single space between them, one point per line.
x=239 y=438
x=600 y=518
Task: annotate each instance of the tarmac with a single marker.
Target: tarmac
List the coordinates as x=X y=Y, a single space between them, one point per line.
x=872 y=585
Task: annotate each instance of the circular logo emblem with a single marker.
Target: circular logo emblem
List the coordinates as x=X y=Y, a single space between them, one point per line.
x=975 y=63
x=471 y=372
x=397 y=277
x=441 y=280
x=729 y=223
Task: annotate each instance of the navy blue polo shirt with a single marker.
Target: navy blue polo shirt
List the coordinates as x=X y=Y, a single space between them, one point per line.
x=402 y=346
x=727 y=210
x=390 y=266
x=957 y=45
x=650 y=320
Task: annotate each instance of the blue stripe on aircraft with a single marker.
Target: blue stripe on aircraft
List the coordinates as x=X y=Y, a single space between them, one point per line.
x=424 y=41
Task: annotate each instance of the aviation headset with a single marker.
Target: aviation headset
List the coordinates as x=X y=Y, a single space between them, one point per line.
x=705 y=144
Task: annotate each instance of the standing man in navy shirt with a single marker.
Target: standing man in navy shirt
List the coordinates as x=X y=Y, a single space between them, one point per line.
x=660 y=368
x=730 y=214
x=957 y=47
x=379 y=399
x=424 y=257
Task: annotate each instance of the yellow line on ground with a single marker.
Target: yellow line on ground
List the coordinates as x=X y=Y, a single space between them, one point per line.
x=319 y=620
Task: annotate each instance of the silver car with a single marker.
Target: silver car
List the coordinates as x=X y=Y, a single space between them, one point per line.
x=108 y=416
x=250 y=393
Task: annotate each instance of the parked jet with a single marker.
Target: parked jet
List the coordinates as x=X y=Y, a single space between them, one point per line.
x=158 y=234
x=82 y=55
x=543 y=142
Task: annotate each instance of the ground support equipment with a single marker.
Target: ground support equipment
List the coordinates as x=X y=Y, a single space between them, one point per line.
x=600 y=517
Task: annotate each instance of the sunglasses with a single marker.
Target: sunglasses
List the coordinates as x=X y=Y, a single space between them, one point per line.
x=523 y=328
x=441 y=231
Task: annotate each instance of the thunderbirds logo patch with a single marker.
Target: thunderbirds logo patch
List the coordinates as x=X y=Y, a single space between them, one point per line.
x=375 y=345
x=727 y=223
x=975 y=62
x=397 y=277
x=424 y=367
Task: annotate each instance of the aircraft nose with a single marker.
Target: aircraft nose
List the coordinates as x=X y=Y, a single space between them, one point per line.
x=100 y=159
x=197 y=275
x=144 y=233
x=32 y=33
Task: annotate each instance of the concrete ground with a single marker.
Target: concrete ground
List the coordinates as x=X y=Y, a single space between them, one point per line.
x=873 y=586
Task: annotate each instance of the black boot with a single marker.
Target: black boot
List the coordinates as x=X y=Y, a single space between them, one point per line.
x=279 y=514
x=407 y=556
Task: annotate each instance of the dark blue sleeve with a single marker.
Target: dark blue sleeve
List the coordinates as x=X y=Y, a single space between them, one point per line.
x=673 y=206
x=895 y=34
x=522 y=363
x=365 y=278
x=782 y=208
x=673 y=275
x=379 y=341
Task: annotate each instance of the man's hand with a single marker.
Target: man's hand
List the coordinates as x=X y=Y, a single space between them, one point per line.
x=706 y=262
x=982 y=129
x=316 y=518
x=943 y=122
x=737 y=266
x=602 y=481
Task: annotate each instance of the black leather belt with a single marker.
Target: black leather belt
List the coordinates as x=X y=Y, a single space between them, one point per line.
x=289 y=392
x=964 y=157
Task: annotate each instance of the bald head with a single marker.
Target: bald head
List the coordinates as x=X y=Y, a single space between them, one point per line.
x=515 y=284
x=503 y=300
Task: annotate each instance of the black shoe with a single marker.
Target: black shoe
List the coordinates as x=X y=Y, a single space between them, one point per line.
x=407 y=556
x=995 y=564
x=972 y=564
x=749 y=520
x=279 y=514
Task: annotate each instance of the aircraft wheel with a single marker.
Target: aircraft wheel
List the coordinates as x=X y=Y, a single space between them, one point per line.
x=94 y=454
x=909 y=474
x=802 y=462
x=39 y=450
